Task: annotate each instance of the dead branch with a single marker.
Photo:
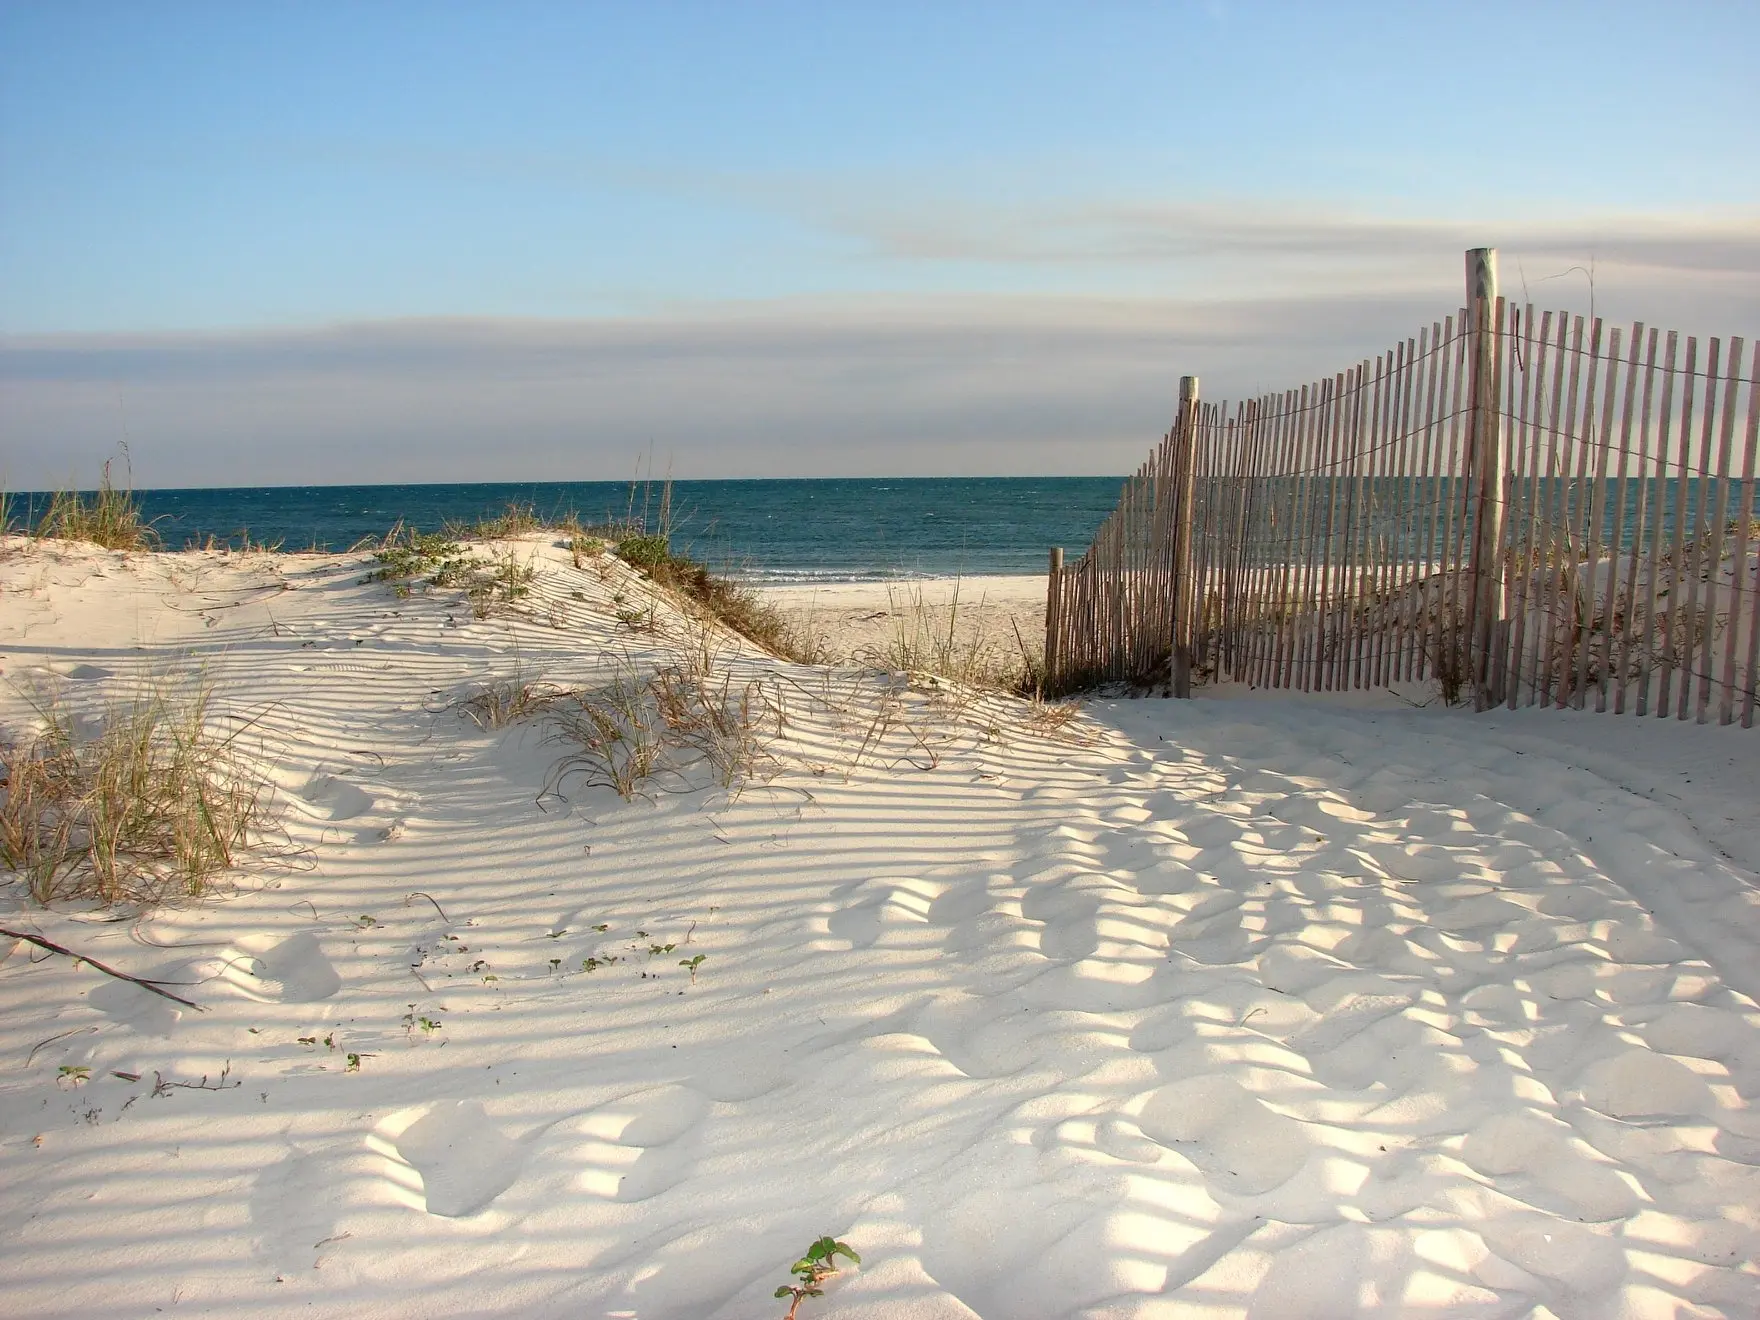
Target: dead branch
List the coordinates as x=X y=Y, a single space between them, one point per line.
x=53 y=947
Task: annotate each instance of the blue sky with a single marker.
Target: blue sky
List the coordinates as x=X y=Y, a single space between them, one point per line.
x=603 y=184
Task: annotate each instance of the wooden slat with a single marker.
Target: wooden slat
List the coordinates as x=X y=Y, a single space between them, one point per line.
x=1527 y=347
x=1613 y=664
x=1712 y=560
x=1742 y=610
x=1654 y=664
x=1423 y=590
x=1642 y=524
x=1701 y=528
x=1585 y=508
x=1676 y=569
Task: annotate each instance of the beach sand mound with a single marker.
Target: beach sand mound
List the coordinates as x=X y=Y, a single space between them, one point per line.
x=1267 y=1008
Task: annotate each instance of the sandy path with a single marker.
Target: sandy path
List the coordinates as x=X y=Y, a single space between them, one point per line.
x=1270 y=1008
x=866 y=622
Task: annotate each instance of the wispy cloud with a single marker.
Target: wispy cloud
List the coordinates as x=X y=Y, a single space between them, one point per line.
x=1242 y=244
x=905 y=383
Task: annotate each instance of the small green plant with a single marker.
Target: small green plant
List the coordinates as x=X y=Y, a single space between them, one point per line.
x=74 y=1074
x=594 y=964
x=353 y=1063
x=812 y=1269
x=655 y=950
x=644 y=552
x=364 y=922
x=409 y=559
x=555 y=964
x=602 y=927
x=581 y=548
x=691 y=965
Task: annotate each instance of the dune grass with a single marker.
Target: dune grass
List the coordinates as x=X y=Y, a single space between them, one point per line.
x=153 y=806
x=108 y=517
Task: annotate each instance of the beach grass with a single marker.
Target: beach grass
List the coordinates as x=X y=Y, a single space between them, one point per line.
x=153 y=806
x=110 y=517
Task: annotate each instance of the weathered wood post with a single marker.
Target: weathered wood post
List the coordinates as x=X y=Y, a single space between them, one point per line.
x=1053 y=617
x=1484 y=623
x=1184 y=486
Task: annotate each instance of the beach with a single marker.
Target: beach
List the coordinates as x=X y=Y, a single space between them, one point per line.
x=881 y=622
x=1258 y=1004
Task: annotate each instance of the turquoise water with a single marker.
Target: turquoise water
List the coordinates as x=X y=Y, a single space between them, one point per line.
x=772 y=531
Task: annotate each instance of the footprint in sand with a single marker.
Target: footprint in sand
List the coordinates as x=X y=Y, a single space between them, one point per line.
x=147 y=1013
x=982 y=1036
x=641 y=1146
x=1538 y=1159
x=1639 y=1084
x=1068 y=910
x=886 y=904
x=336 y=799
x=1235 y=1140
x=1556 y=1249
x=1701 y=1032
x=272 y=970
x=295 y=1204
x=461 y=1159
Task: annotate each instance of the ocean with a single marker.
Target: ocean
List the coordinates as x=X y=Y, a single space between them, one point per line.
x=773 y=531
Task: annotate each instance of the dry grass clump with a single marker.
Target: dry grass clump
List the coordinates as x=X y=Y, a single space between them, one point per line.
x=685 y=712
x=731 y=603
x=617 y=733
x=928 y=639
x=514 y=520
x=152 y=807
x=109 y=517
x=506 y=701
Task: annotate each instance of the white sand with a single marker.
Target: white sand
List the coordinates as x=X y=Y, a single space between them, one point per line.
x=1272 y=1007
x=866 y=622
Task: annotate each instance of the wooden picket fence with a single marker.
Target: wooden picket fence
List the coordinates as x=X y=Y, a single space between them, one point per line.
x=1525 y=508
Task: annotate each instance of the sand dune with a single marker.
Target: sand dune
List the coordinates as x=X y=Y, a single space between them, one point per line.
x=1273 y=1008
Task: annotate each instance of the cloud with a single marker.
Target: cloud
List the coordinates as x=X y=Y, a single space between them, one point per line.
x=1296 y=246
x=806 y=387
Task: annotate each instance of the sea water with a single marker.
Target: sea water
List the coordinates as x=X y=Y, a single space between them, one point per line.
x=775 y=531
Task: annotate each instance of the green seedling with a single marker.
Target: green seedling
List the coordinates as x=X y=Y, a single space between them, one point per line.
x=428 y=1025
x=593 y=964
x=555 y=963
x=602 y=927
x=364 y=921
x=74 y=1073
x=812 y=1269
x=655 y=950
x=691 y=965
x=641 y=934
x=309 y=1040
x=353 y=1064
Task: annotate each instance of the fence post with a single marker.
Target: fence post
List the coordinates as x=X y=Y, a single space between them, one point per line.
x=1484 y=624
x=1053 y=616
x=1184 y=486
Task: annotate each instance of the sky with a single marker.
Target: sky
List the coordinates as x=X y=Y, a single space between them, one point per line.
x=317 y=243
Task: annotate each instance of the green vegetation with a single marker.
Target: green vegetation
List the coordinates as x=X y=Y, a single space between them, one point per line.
x=108 y=517
x=412 y=561
x=812 y=1269
x=154 y=807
